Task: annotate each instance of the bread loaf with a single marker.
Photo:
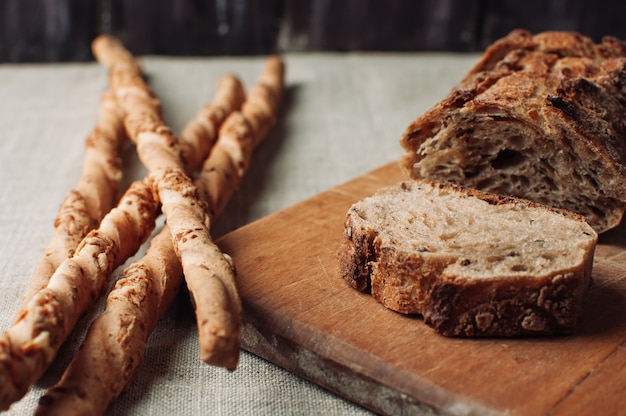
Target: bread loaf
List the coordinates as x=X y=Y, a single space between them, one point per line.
x=539 y=117
x=470 y=262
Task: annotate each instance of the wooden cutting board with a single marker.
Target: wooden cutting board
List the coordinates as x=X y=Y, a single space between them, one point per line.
x=300 y=315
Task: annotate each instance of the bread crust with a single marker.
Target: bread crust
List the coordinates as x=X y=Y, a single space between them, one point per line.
x=454 y=303
x=538 y=117
x=551 y=305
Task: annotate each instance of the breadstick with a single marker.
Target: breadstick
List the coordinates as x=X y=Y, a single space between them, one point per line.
x=115 y=341
x=200 y=134
x=109 y=51
x=28 y=347
x=186 y=213
x=220 y=177
x=113 y=348
x=241 y=133
x=94 y=196
x=224 y=104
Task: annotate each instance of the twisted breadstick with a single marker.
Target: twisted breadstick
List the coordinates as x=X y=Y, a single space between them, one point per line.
x=241 y=133
x=94 y=196
x=113 y=348
x=220 y=176
x=218 y=328
x=199 y=135
x=29 y=345
x=115 y=341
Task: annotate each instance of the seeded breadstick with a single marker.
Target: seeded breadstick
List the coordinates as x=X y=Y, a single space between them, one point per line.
x=115 y=341
x=186 y=213
x=28 y=347
x=113 y=348
x=200 y=134
x=127 y=234
x=109 y=51
x=94 y=196
x=240 y=134
x=220 y=176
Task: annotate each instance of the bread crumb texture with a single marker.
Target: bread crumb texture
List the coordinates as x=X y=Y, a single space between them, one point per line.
x=472 y=263
x=538 y=117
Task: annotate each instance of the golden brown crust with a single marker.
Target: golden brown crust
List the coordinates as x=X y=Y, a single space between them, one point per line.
x=114 y=345
x=199 y=135
x=205 y=268
x=95 y=194
x=29 y=345
x=240 y=134
x=113 y=348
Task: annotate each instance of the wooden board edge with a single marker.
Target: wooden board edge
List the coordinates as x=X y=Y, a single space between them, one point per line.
x=341 y=380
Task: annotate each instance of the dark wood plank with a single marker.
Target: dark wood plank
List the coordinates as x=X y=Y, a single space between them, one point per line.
x=192 y=27
x=61 y=30
x=594 y=19
x=399 y=25
x=46 y=30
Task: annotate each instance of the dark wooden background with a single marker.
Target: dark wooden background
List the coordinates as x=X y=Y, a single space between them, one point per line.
x=61 y=30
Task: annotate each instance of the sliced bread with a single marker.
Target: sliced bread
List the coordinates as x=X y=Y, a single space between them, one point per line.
x=539 y=117
x=470 y=262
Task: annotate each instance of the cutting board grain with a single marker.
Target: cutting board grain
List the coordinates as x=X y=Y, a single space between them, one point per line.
x=300 y=315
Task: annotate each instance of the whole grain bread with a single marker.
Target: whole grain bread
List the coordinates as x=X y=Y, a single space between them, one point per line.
x=472 y=263
x=539 y=117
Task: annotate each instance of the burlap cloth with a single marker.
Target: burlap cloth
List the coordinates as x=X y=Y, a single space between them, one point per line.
x=342 y=116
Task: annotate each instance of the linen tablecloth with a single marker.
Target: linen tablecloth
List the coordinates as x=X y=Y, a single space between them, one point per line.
x=342 y=115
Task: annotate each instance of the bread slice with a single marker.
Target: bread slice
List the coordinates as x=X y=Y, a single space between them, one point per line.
x=539 y=117
x=472 y=263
